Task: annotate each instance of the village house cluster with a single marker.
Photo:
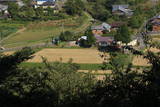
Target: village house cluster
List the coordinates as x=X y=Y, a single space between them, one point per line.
x=35 y=3
x=4 y=7
x=98 y=31
x=105 y=28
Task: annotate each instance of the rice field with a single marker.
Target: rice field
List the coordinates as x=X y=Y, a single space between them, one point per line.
x=81 y=56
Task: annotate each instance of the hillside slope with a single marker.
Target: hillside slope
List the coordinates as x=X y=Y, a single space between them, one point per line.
x=44 y=31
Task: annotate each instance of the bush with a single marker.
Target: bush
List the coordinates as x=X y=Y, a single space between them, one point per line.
x=66 y=36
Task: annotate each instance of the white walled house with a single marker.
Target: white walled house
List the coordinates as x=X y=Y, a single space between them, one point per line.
x=44 y=3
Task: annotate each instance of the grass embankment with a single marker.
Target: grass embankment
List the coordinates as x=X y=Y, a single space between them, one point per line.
x=82 y=66
x=36 y=33
x=8 y=27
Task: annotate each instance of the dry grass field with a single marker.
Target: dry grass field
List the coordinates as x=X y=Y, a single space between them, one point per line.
x=81 y=56
x=8 y=53
x=78 y=55
x=155 y=50
x=140 y=61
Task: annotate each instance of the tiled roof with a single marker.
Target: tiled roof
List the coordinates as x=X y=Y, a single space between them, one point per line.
x=3 y=7
x=103 y=26
x=117 y=24
x=104 y=39
x=118 y=7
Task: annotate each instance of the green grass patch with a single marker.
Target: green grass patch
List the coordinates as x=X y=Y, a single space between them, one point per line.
x=90 y=66
x=8 y=27
x=82 y=66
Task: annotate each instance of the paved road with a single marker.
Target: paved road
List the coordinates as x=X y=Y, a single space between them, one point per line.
x=33 y=47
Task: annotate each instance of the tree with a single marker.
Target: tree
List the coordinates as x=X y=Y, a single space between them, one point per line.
x=13 y=9
x=66 y=36
x=73 y=7
x=90 y=39
x=120 y=61
x=27 y=13
x=52 y=85
x=10 y=63
x=135 y=21
x=50 y=11
x=123 y=34
x=39 y=12
x=100 y=12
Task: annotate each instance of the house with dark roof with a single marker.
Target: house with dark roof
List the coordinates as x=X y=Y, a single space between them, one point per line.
x=104 y=41
x=117 y=24
x=122 y=10
x=155 y=23
x=101 y=29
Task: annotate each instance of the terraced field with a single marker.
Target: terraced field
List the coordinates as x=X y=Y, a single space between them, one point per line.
x=44 y=31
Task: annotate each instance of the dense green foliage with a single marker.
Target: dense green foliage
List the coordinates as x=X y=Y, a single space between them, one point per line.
x=66 y=36
x=90 y=39
x=5 y=31
x=119 y=61
x=135 y=21
x=52 y=85
x=73 y=7
x=102 y=9
x=59 y=85
x=28 y=13
x=123 y=34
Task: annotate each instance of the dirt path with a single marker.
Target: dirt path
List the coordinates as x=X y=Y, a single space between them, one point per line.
x=19 y=31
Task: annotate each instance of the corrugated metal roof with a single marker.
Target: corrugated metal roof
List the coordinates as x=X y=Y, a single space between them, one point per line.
x=106 y=26
x=118 y=7
x=3 y=7
x=103 y=26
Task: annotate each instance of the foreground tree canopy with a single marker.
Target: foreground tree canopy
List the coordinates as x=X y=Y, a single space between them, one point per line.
x=58 y=84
